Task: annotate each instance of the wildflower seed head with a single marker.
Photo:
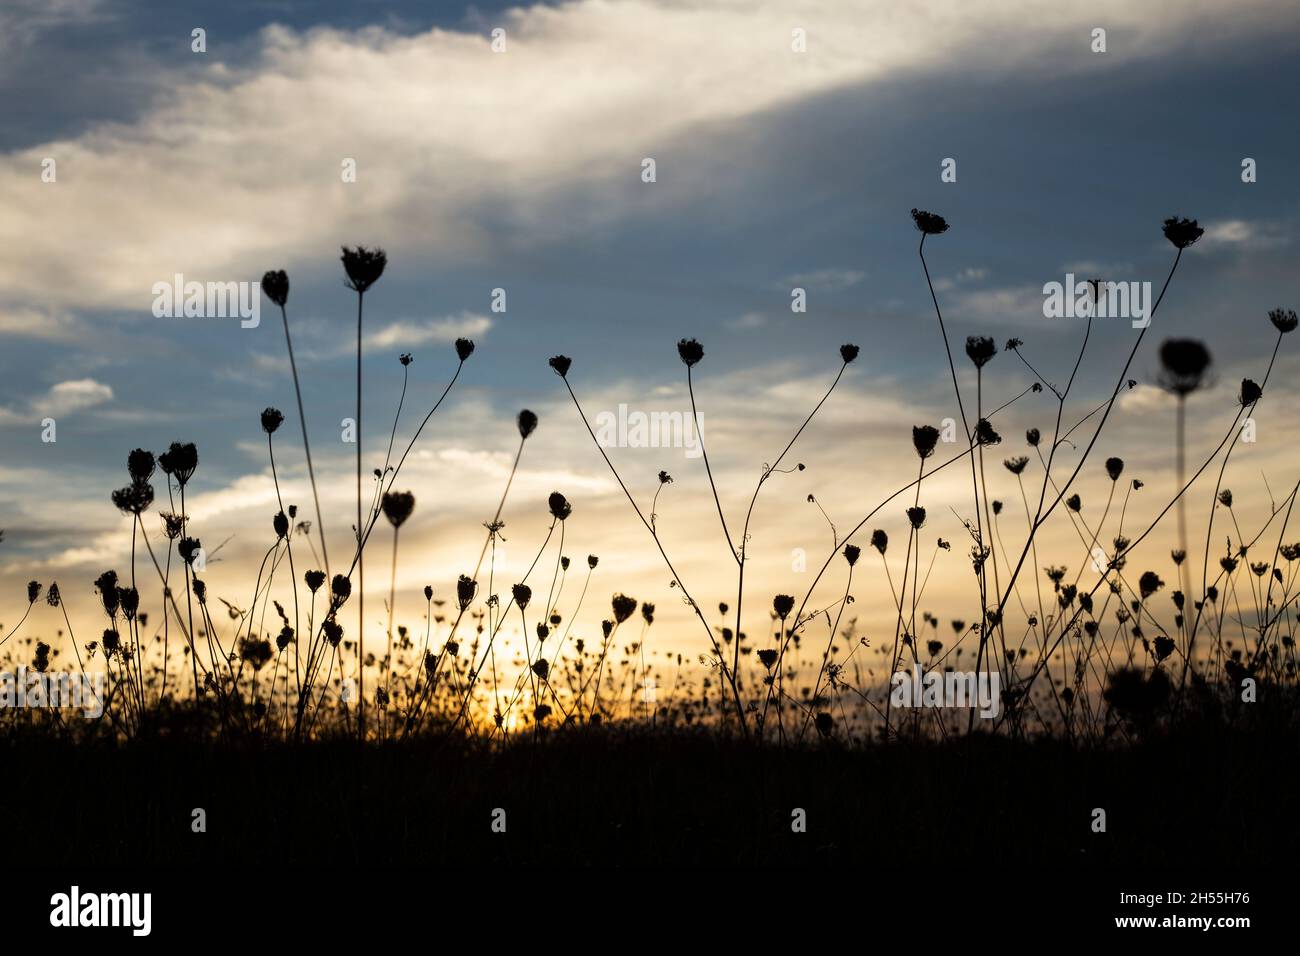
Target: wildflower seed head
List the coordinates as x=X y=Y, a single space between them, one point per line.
x=341 y=589
x=931 y=224
x=1250 y=392
x=111 y=641
x=522 y=594
x=406 y=359
x=140 y=466
x=767 y=657
x=464 y=349
x=1017 y=464
x=314 y=580
x=624 y=607
x=924 y=440
x=647 y=612
x=173 y=525
x=848 y=353
x=188 y=549
x=980 y=349
x=916 y=516
x=428 y=592
x=333 y=631
x=559 y=506
x=180 y=461
x=1074 y=503
x=1284 y=320
x=783 y=604
x=1183 y=365
x=1225 y=497
x=52 y=596
x=275 y=286
x=1149 y=584
x=465 y=591
x=851 y=554
x=527 y=422
x=879 y=540
x=397 y=507
x=984 y=433
x=1182 y=232
x=592 y=561
x=1032 y=436
x=1114 y=468
x=363 y=267
x=280 y=524
x=134 y=499
x=690 y=351
x=33 y=591
x=560 y=363
x=272 y=418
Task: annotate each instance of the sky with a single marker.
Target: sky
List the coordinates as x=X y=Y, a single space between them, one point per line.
x=522 y=170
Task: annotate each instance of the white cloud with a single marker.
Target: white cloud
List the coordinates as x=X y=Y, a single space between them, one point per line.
x=241 y=169
x=65 y=398
x=409 y=333
x=826 y=280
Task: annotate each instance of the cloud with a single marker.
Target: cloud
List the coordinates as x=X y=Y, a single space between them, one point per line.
x=242 y=165
x=65 y=398
x=438 y=331
x=750 y=320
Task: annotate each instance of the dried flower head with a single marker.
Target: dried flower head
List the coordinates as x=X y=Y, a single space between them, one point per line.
x=690 y=352
x=1182 y=232
x=879 y=540
x=848 y=353
x=624 y=607
x=924 y=440
x=1017 y=464
x=140 y=466
x=464 y=349
x=465 y=591
x=180 y=461
x=1114 y=468
x=980 y=349
x=527 y=422
x=851 y=554
x=522 y=594
x=783 y=604
x=275 y=286
x=314 y=580
x=1183 y=365
x=363 y=267
x=931 y=224
x=559 y=505
x=1284 y=320
x=561 y=364
x=1250 y=392
x=397 y=507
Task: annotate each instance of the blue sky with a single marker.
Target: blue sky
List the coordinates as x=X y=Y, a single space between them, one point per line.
x=521 y=170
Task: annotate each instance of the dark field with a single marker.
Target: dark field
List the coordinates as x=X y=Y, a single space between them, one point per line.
x=629 y=797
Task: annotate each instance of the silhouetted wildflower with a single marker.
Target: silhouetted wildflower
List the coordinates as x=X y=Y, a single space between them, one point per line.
x=1032 y=436
x=1250 y=392
x=134 y=499
x=1182 y=232
x=527 y=422
x=111 y=640
x=397 y=507
x=275 y=286
x=180 y=461
x=647 y=612
x=272 y=418
x=932 y=224
x=1114 y=468
x=1017 y=464
x=1074 y=502
x=189 y=549
x=314 y=580
x=52 y=596
x=465 y=591
x=783 y=604
x=980 y=349
x=1149 y=584
x=522 y=594
x=341 y=589
x=1184 y=363
x=406 y=359
x=690 y=351
x=559 y=505
x=1284 y=320
x=363 y=267
x=140 y=466
x=592 y=560
x=33 y=591
x=879 y=540
x=1164 y=646
x=851 y=554
x=848 y=353
x=916 y=515
x=624 y=607
x=924 y=439
x=1225 y=497
x=561 y=364
x=767 y=657
x=984 y=433
x=541 y=668
x=464 y=349
x=280 y=524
